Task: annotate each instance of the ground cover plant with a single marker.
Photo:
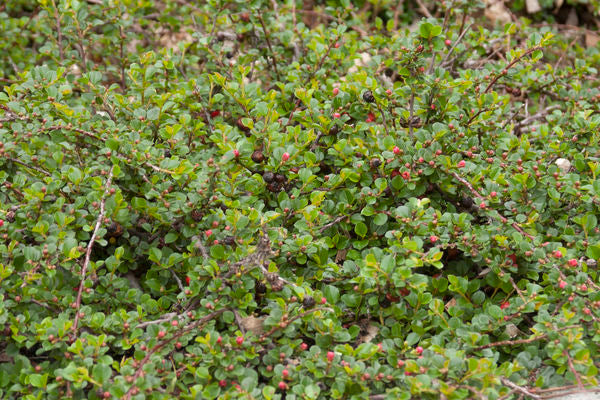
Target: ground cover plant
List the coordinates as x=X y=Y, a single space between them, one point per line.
x=299 y=200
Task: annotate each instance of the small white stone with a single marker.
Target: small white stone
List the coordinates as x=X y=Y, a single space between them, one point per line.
x=563 y=164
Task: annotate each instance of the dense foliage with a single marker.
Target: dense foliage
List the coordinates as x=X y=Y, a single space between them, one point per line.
x=296 y=200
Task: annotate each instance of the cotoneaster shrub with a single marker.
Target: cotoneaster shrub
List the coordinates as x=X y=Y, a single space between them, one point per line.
x=231 y=200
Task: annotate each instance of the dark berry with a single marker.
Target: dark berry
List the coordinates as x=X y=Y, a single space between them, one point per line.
x=268 y=176
x=197 y=215
x=308 y=302
x=258 y=156
x=375 y=162
x=241 y=125
x=280 y=178
x=368 y=96
x=261 y=288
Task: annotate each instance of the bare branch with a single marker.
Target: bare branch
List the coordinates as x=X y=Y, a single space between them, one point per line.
x=88 y=252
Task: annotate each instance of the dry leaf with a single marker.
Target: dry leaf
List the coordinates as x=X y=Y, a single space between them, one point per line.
x=532 y=6
x=253 y=324
x=372 y=331
x=591 y=39
x=451 y=303
x=497 y=12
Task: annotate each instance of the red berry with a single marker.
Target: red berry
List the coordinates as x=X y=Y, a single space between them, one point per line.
x=587 y=311
x=583 y=288
x=330 y=356
x=433 y=238
x=557 y=254
x=448 y=42
x=161 y=334
x=504 y=305
x=285 y=157
x=461 y=164
x=285 y=373
x=419 y=350
x=400 y=363
x=573 y=262
x=282 y=385
x=482 y=204
x=236 y=152
x=303 y=346
x=222 y=383
x=239 y=340
x=215 y=113
x=187 y=280
x=513 y=258
x=406 y=175
x=396 y=150
x=562 y=284
x=208 y=233
x=323 y=300
x=219 y=340
x=389 y=92
x=1 y=223
x=174 y=322
x=335 y=91
x=493 y=194
x=336 y=45
x=336 y=115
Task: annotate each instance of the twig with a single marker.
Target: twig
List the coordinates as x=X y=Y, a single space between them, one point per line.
x=520 y=341
x=537 y=116
x=411 y=111
x=519 y=389
x=322 y=60
x=88 y=253
x=59 y=31
x=332 y=223
x=476 y=193
x=424 y=9
x=165 y=318
x=188 y=328
x=384 y=120
x=41 y=171
x=456 y=43
x=513 y=62
x=274 y=61
x=282 y=325
x=178 y=280
x=572 y=368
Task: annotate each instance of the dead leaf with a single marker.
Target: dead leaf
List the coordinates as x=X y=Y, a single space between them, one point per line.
x=532 y=6
x=253 y=324
x=371 y=333
x=497 y=12
x=451 y=303
x=591 y=39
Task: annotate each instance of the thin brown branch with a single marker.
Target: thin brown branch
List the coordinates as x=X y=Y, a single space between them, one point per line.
x=283 y=325
x=194 y=325
x=332 y=223
x=572 y=368
x=274 y=60
x=57 y=18
x=424 y=9
x=476 y=193
x=41 y=171
x=520 y=341
x=513 y=62
x=519 y=389
x=322 y=60
x=88 y=252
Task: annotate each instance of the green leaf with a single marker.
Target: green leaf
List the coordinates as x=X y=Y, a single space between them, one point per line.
x=101 y=373
x=361 y=229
